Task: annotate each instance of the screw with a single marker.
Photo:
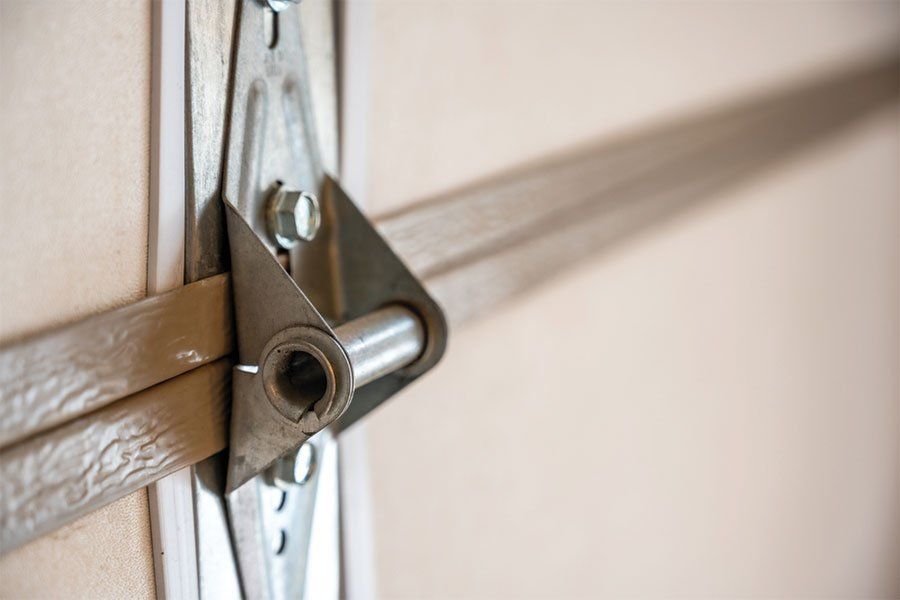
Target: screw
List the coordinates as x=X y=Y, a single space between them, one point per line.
x=296 y=468
x=293 y=217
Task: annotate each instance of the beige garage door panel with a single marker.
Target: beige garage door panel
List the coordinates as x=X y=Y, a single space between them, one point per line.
x=733 y=374
x=74 y=177
x=461 y=90
x=103 y=555
x=74 y=174
x=733 y=377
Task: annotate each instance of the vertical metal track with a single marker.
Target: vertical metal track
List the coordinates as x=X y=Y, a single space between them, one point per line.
x=210 y=30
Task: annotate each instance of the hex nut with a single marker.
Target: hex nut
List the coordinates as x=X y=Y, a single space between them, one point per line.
x=293 y=216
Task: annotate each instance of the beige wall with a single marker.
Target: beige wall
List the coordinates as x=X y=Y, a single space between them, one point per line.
x=734 y=372
x=74 y=176
x=463 y=89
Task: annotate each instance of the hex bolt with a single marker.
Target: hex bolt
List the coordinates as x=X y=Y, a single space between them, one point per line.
x=293 y=217
x=296 y=468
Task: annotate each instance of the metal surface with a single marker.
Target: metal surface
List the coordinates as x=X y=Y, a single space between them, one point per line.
x=294 y=469
x=367 y=277
x=287 y=514
x=271 y=130
x=210 y=31
x=280 y=5
x=275 y=322
x=271 y=139
x=382 y=342
x=294 y=376
x=272 y=534
x=210 y=60
x=210 y=27
x=293 y=217
x=346 y=272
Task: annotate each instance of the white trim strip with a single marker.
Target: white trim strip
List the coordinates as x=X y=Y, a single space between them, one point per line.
x=165 y=259
x=171 y=498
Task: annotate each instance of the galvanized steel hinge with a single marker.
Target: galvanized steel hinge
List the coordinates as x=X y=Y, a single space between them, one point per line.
x=330 y=322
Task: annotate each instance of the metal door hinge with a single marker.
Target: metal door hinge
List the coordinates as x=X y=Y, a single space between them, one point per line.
x=329 y=321
x=299 y=371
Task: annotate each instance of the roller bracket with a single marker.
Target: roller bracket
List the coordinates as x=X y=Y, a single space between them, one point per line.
x=330 y=323
x=297 y=371
x=295 y=376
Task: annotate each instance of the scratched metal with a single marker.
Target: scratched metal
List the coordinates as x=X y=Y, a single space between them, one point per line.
x=210 y=25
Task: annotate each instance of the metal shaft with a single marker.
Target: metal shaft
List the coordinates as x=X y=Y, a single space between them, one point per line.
x=382 y=342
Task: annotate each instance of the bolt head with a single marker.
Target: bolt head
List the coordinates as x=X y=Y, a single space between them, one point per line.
x=296 y=468
x=293 y=217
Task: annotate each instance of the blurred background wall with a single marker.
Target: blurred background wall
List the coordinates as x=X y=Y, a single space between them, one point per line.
x=732 y=374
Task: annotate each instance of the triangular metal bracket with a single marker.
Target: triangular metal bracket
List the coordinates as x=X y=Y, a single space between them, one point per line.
x=276 y=323
x=345 y=272
x=305 y=336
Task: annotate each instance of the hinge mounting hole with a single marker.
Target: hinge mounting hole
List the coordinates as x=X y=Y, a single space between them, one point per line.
x=270 y=27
